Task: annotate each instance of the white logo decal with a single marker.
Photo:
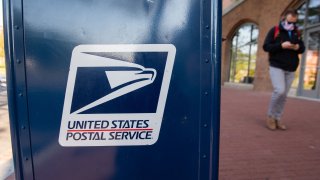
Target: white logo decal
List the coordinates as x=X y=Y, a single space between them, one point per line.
x=116 y=94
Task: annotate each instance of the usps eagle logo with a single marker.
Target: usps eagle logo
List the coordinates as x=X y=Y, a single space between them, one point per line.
x=116 y=94
x=123 y=78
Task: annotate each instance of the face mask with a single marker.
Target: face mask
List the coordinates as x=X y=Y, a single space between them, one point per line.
x=287 y=26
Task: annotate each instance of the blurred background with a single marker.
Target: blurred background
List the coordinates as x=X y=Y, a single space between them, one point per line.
x=2 y=61
x=247 y=149
x=245 y=24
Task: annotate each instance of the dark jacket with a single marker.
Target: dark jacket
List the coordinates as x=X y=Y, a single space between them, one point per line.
x=285 y=59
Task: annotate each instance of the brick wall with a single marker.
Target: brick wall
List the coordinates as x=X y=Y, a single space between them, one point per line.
x=227 y=3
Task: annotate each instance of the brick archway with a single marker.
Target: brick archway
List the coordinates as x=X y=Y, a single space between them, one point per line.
x=265 y=14
x=249 y=70
x=228 y=43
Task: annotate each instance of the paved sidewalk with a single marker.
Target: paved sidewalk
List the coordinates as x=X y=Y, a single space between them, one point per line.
x=6 y=163
x=248 y=150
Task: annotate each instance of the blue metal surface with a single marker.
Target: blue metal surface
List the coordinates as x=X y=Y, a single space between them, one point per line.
x=216 y=31
x=17 y=89
x=40 y=37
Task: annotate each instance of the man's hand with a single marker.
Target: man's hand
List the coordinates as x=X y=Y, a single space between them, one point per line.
x=287 y=45
x=296 y=47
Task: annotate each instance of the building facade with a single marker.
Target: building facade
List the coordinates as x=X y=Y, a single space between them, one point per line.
x=245 y=24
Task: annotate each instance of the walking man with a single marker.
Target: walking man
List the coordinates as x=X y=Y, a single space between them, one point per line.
x=284 y=44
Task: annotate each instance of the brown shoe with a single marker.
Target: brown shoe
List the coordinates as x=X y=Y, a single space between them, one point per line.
x=281 y=126
x=271 y=123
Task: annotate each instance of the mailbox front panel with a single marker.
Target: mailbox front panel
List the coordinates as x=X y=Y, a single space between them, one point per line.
x=116 y=89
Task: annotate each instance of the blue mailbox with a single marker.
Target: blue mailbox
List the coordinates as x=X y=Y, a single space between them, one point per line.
x=115 y=89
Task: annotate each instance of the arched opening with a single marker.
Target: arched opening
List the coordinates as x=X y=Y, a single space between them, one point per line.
x=244 y=54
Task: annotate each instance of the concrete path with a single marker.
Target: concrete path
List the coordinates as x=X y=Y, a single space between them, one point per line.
x=248 y=150
x=6 y=163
